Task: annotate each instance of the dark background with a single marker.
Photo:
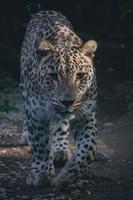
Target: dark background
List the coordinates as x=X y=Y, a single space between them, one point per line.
x=106 y=18
x=109 y=22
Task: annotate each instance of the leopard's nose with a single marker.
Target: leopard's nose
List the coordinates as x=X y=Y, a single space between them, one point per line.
x=67 y=103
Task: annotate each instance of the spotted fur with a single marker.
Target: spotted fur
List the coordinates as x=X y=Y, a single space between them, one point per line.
x=58 y=85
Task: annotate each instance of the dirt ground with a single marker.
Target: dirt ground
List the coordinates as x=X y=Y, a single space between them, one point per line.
x=110 y=177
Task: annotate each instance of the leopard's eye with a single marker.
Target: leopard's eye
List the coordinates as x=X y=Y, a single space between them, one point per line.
x=53 y=76
x=80 y=75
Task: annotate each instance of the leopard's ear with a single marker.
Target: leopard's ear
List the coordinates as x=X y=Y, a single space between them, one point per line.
x=88 y=48
x=44 y=45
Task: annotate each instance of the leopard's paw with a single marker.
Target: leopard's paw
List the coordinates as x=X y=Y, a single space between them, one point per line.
x=37 y=179
x=60 y=157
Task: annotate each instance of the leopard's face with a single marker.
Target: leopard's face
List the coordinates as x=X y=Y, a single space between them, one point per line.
x=68 y=75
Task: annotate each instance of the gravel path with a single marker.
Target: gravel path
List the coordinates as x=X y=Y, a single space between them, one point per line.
x=111 y=174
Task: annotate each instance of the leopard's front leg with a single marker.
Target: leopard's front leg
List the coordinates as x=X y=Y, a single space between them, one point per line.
x=41 y=169
x=60 y=149
x=85 y=139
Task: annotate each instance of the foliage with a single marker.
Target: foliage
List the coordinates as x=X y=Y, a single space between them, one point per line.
x=130 y=109
x=9 y=54
x=7 y=84
x=6 y=105
x=130 y=99
x=126 y=16
x=126 y=10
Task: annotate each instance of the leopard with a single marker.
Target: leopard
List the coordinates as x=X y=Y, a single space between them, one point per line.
x=59 y=89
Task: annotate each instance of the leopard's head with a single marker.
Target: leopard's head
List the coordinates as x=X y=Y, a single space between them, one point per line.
x=68 y=73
